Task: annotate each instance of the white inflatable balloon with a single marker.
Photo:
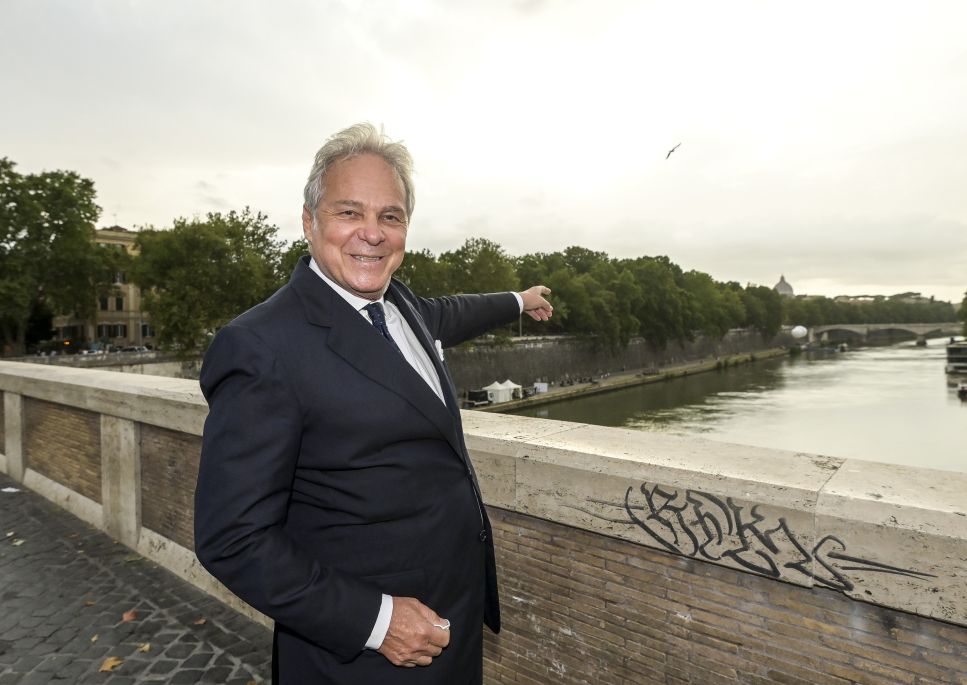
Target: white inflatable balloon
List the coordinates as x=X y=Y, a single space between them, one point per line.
x=799 y=332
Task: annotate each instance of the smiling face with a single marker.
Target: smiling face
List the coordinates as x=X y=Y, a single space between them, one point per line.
x=359 y=234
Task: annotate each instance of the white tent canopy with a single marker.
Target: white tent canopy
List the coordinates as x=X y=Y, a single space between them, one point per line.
x=501 y=392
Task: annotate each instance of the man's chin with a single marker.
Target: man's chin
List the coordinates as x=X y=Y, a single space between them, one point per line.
x=370 y=291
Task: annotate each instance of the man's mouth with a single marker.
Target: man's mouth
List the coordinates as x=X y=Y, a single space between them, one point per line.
x=364 y=258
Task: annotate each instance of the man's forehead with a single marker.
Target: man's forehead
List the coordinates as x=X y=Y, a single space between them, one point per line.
x=363 y=168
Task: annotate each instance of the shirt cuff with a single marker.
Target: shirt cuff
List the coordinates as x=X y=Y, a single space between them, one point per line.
x=375 y=640
x=520 y=302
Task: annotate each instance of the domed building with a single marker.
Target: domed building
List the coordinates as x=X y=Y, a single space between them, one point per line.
x=783 y=288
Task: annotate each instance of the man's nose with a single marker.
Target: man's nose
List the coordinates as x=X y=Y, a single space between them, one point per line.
x=371 y=231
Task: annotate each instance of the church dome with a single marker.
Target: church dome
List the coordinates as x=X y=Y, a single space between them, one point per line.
x=783 y=288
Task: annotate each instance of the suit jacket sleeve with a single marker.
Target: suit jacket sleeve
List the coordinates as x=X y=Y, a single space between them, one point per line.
x=249 y=453
x=456 y=318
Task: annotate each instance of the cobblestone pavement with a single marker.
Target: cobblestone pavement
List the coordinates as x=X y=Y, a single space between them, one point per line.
x=65 y=588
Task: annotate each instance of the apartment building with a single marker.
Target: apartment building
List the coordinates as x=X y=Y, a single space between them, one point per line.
x=119 y=320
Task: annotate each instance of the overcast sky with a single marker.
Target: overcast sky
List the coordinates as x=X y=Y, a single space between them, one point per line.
x=826 y=141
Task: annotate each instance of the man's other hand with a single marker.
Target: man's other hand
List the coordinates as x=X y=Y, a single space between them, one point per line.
x=412 y=639
x=535 y=306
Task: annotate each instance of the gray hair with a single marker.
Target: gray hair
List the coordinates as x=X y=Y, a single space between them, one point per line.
x=356 y=140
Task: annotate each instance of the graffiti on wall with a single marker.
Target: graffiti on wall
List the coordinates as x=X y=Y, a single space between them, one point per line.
x=700 y=525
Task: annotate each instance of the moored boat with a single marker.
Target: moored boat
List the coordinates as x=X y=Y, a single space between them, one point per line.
x=957 y=357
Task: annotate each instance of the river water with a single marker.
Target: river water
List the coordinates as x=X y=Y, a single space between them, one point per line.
x=890 y=404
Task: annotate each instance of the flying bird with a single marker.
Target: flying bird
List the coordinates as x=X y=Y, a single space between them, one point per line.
x=671 y=151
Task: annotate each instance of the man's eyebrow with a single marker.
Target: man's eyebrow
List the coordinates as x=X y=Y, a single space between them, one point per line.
x=355 y=204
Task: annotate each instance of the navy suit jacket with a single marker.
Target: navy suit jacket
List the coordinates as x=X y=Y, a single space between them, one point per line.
x=331 y=473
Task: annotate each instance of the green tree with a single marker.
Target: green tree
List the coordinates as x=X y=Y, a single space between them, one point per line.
x=663 y=305
x=424 y=274
x=290 y=257
x=479 y=266
x=763 y=310
x=715 y=308
x=200 y=274
x=48 y=258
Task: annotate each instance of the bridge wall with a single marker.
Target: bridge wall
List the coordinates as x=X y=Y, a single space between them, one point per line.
x=625 y=557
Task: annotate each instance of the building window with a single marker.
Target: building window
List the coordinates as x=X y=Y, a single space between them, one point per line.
x=103 y=304
x=118 y=277
x=106 y=331
x=147 y=331
x=119 y=304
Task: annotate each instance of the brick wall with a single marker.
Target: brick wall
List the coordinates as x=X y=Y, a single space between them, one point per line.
x=64 y=444
x=169 y=465
x=584 y=608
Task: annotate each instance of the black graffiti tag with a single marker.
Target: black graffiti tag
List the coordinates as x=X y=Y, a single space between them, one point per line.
x=700 y=525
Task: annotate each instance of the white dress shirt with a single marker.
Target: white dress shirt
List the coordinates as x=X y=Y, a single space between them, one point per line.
x=417 y=357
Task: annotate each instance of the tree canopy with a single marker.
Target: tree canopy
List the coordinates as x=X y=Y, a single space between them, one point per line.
x=202 y=273
x=609 y=301
x=48 y=257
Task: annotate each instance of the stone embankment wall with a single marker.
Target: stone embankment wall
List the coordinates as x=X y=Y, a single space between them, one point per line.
x=478 y=364
x=625 y=557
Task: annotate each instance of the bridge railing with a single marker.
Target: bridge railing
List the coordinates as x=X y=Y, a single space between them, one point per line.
x=625 y=556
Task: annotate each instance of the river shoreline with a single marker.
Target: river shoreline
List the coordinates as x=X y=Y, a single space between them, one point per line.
x=619 y=381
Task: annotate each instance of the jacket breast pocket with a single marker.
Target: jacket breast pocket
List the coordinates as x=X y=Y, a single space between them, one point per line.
x=400 y=584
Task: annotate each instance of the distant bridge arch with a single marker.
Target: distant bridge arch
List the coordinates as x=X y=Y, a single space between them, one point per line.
x=922 y=331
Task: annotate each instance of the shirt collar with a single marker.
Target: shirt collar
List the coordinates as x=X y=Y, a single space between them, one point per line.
x=355 y=301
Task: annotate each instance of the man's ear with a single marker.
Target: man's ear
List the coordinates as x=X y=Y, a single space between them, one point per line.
x=307 y=224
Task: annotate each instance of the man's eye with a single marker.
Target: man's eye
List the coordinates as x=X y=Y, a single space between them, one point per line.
x=393 y=217
x=347 y=212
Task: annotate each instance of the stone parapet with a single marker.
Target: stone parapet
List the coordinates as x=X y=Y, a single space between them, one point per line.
x=882 y=535
x=890 y=535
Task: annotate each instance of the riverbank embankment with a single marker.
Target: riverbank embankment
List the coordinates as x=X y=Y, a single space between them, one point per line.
x=619 y=381
x=559 y=359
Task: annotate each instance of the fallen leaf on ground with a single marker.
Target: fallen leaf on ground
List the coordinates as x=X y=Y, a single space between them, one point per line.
x=144 y=647
x=132 y=557
x=200 y=622
x=94 y=639
x=89 y=602
x=11 y=533
x=129 y=616
x=17 y=542
x=109 y=664
x=11 y=490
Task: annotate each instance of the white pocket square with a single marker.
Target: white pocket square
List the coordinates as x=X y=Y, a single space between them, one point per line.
x=439 y=348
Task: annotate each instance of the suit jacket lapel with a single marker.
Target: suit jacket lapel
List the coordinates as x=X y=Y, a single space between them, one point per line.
x=361 y=346
x=426 y=339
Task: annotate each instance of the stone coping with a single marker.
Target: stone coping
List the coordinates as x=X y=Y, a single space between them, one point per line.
x=172 y=403
x=886 y=534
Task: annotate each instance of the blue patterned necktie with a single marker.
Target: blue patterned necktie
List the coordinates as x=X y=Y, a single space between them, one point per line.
x=375 y=311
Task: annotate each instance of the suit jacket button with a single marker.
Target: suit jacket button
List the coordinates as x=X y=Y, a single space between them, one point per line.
x=483 y=536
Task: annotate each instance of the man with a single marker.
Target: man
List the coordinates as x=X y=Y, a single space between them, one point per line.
x=335 y=493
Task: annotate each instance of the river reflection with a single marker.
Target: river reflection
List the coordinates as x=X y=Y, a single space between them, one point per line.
x=890 y=404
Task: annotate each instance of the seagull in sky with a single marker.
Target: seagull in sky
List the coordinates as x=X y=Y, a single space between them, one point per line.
x=671 y=151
